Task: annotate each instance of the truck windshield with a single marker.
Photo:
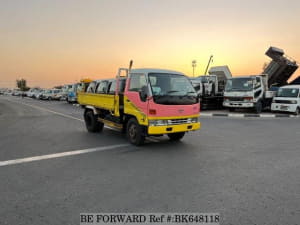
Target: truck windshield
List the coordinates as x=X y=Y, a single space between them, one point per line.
x=239 y=84
x=288 y=92
x=172 y=89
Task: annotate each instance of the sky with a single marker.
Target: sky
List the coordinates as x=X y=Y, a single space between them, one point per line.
x=58 y=42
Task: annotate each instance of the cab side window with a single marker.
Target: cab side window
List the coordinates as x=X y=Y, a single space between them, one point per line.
x=257 y=83
x=91 y=88
x=197 y=87
x=102 y=87
x=137 y=81
x=112 y=87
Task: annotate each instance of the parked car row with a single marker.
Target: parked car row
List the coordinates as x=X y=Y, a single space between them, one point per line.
x=13 y=92
x=45 y=94
x=36 y=93
x=66 y=93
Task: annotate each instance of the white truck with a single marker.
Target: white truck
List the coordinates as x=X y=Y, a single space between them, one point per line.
x=210 y=88
x=287 y=99
x=256 y=92
x=247 y=92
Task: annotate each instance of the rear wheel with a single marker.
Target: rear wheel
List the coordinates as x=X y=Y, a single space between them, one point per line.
x=91 y=122
x=134 y=132
x=176 y=136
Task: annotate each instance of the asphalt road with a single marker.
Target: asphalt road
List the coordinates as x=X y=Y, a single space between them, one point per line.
x=246 y=169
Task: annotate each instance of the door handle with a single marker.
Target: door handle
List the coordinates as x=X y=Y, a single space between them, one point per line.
x=127 y=100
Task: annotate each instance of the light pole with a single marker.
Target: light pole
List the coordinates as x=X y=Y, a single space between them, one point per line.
x=194 y=64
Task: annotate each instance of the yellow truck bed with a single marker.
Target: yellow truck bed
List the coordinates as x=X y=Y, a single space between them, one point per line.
x=101 y=101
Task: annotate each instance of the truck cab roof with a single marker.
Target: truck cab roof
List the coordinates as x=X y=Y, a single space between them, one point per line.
x=152 y=70
x=248 y=76
x=291 y=86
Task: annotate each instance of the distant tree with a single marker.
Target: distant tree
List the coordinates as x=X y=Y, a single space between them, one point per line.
x=58 y=87
x=22 y=84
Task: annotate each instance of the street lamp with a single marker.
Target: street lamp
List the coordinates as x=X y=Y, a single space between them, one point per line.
x=194 y=64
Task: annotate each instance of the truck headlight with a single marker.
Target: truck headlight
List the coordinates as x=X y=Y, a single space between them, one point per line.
x=293 y=102
x=248 y=99
x=193 y=120
x=158 y=122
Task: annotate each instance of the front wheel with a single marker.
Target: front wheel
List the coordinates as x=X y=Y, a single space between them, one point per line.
x=176 y=136
x=297 y=112
x=134 y=132
x=258 y=107
x=91 y=122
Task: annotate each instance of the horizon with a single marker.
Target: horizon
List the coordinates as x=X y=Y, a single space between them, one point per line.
x=51 y=43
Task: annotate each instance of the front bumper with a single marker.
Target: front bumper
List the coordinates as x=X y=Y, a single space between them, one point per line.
x=173 y=128
x=238 y=104
x=284 y=107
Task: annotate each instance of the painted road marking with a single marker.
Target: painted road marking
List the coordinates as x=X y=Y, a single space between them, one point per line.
x=48 y=110
x=54 y=112
x=267 y=115
x=59 y=155
x=205 y=114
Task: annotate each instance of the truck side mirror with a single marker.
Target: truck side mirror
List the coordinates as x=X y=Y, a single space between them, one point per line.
x=143 y=93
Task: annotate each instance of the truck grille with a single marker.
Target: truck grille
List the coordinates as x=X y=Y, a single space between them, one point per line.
x=236 y=99
x=283 y=101
x=178 y=121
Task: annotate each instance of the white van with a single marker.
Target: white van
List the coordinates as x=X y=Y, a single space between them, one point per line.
x=287 y=99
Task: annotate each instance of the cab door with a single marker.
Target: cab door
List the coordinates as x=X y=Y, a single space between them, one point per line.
x=133 y=103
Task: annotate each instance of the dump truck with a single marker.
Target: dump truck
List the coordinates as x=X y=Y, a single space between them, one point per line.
x=141 y=103
x=257 y=91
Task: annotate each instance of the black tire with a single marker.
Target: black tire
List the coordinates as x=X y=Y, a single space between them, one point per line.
x=297 y=112
x=134 y=132
x=231 y=109
x=176 y=136
x=258 y=107
x=91 y=122
x=49 y=98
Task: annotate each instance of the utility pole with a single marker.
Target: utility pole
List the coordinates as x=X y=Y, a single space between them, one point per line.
x=194 y=64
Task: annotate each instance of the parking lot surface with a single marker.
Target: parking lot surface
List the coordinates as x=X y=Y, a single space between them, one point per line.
x=246 y=169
